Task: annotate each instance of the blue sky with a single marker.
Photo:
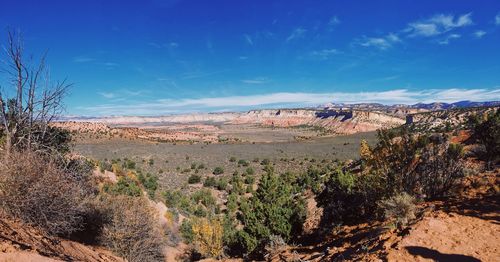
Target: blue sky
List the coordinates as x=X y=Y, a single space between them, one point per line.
x=156 y=57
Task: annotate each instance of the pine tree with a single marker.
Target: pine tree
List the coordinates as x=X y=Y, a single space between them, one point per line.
x=272 y=210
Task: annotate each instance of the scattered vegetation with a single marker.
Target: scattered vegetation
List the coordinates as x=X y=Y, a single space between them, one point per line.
x=41 y=193
x=218 y=171
x=131 y=229
x=194 y=179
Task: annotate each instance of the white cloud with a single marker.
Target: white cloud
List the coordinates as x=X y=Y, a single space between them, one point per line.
x=256 y=81
x=243 y=57
x=334 y=20
x=83 y=59
x=381 y=42
x=284 y=99
x=448 y=38
x=199 y=74
x=497 y=19
x=173 y=44
x=438 y=24
x=111 y=64
x=248 y=39
x=325 y=53
x=479 y=33
x=297 y=33
x=107 y=95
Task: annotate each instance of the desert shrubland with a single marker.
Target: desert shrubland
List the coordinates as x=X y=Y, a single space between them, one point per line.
x=42 y=192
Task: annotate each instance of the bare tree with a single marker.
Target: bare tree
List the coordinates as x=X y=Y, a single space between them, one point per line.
x=32 y=102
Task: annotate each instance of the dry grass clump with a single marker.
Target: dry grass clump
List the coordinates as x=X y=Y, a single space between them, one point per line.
x=401 y=208
x=131 y=228
x=41 y=193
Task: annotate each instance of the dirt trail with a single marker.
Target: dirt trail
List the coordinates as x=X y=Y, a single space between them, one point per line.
x=450 y=237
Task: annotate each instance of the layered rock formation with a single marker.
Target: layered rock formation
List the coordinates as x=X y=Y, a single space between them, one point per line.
x=332 y=120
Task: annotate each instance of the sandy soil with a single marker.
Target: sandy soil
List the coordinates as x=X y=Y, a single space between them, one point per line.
x=22 y=243
x=450 y=237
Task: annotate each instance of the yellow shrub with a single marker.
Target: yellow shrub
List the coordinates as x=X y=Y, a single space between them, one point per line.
x=364 y=150
x=117 y=169
x=208 y=237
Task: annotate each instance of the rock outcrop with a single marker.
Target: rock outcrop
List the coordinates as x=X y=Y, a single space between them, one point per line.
x=332 y=120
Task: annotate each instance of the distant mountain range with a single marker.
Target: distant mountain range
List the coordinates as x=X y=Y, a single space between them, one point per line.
x=429 y=106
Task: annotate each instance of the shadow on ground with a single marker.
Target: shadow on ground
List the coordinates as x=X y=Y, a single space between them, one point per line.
x=438 y=256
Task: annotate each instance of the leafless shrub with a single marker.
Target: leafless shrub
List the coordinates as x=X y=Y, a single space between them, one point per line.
x=274 y=246
x=41 y=193
x=401 y=208
x=131 y=228
x=25 y=114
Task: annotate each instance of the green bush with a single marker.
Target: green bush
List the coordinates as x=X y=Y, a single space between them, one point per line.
x=221 y=184
x=232 y=159
x=150 y=183
x=488 y=134
x=250 y=171
x=129 y=164
x=204 y=197
x=178 y=200
x=186 y=230
x=249 y=180
x=347 y=198
x=194 y=179
x=218 y=170
x=243 y=162
x=272 y=210
x=209 y=182
x=124 y=186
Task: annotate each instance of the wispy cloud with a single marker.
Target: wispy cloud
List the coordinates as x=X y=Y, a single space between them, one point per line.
x=111 y=64
x=298 y=32
x=107 y=95
x=122 y=94
x=248 y=39
x=497 y=19
x=382 y=43
x=199 y=74
x=479 y=33
x=448 y=38
x=243 y=57
x=276 y=100
x=438 y=24
x=384 y=79
x=164 y=45
x=324 y=54
x=83 y=59
x=334 y=20
x=256 y=81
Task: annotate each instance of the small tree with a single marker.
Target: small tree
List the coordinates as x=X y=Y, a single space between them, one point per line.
x=25 y=116
x=272 y=210
x=488 y=134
